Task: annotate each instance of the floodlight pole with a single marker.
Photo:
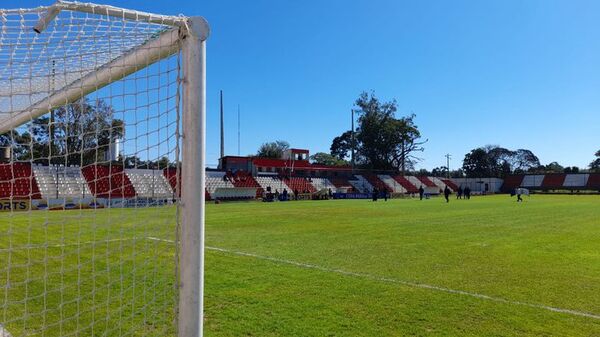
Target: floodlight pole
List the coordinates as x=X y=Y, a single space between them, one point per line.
x=191 y=260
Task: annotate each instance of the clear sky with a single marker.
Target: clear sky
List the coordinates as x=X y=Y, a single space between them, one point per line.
x=520 y=74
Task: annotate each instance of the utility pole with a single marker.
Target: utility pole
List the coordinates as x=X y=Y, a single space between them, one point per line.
x=352 y=133
x=448 y=156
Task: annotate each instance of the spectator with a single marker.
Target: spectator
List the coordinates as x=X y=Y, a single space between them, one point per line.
x=296 y=194
x=459 y=192
x=467 y=192
x=421 y=192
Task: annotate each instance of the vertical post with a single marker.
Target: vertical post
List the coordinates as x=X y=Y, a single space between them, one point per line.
x=352 y=133
x=238 y=129
x=191 y=260
x=222 y=129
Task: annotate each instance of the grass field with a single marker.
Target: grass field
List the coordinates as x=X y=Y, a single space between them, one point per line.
x=484 y=267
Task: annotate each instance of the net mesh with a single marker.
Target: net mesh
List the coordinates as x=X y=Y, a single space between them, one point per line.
x=88 y=190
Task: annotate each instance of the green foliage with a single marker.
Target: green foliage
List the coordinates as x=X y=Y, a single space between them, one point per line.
x=341 y=146
x=441 y=171
x=273 y=150
x=323 y=158
x=382 y=141
x=553 y=167
x=573 y=169
x=75 y=134
x=136 y=162
x=495 y=161
x=595 y=164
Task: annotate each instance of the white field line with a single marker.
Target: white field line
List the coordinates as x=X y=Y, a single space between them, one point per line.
x=4 y=332
x=61 y=245
x=397 y=281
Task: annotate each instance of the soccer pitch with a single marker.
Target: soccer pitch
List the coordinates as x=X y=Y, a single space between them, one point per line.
x=481 y=267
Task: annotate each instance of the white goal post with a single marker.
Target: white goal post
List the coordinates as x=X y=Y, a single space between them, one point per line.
x=139 y=155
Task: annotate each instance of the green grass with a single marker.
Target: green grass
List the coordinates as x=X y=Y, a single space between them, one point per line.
x=361 y=263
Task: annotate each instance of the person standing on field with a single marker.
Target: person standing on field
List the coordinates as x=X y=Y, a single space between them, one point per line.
x=421 y=192
x=467 y=192
x=519 y=192
x=447 y=194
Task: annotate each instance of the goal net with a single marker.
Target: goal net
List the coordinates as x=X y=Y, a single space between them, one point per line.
x=101 y=123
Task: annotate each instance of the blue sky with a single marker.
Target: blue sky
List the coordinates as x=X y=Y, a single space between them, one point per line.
x=520 y=74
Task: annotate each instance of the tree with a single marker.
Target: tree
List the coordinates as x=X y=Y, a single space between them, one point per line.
x=554 y=167
x=573 y=169
x=524 y=160
x=496 y=161
x=323 y=158
x=409 y=144
x=79 y=134
x=477 y=164
x=382 y=141
x=273 y=149
x=595 y=165
x=441 y=171
x=342 y=146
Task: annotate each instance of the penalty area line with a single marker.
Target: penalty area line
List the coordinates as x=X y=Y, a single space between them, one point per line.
x=397 y=281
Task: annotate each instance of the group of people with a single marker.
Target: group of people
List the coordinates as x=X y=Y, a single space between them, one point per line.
x=466 y=192
x=376 y=193
x=269 y=196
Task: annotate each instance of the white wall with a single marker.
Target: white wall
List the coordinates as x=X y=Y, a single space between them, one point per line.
x=478 y=184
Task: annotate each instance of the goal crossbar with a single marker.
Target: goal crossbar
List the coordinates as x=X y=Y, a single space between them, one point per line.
x=107 y=10
x=165 y=45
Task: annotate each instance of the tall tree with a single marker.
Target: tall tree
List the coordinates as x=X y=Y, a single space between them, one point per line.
x=79 y=134
x=524 y=160
x=477 y=164
x=410 y=144
x=382 y=141
x=496 y=161
x=273 y=149
x=595 y=165
x=342 y=146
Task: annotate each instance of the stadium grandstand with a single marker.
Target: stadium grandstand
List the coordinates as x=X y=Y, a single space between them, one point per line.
x=246 y=178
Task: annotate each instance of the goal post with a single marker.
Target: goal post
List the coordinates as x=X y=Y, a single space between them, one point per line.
x=191 y=264
x=103 y=117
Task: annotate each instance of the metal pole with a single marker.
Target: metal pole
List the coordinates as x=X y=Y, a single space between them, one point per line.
x=447 y=165
x=222 y=129
x=238 y=129
x=352 y=159
x=191 y=260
